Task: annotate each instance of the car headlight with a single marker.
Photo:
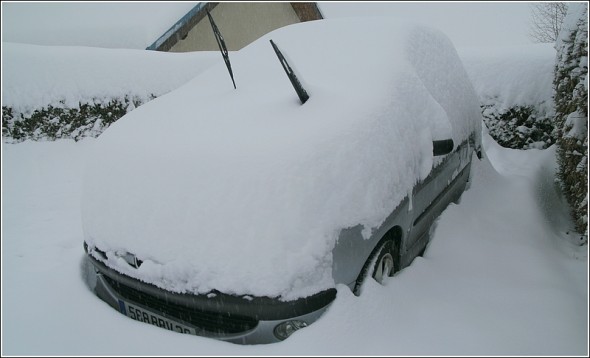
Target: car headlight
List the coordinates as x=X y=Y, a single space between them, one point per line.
x=283 y=330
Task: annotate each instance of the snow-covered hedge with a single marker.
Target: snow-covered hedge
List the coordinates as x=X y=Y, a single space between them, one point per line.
x=519 y=127
x=51 y=92
x=50 y=123
x=571 y=105
x=514 y=85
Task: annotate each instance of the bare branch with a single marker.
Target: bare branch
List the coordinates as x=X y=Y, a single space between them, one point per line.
x=546 y=20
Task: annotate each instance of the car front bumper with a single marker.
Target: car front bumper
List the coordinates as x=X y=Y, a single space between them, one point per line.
x=244 y=320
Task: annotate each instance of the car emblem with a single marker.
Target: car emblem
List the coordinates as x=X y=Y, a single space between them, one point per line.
x=131 y=259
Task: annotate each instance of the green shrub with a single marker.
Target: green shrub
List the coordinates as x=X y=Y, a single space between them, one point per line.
x=57 y=122
x=571 y=107
x=519 y=127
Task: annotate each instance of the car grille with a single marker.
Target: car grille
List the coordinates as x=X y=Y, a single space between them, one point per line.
x=212 y=322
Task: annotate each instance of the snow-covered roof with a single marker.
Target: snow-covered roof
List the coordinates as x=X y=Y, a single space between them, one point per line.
x=305 y=12
x=130 y=25
x=254 y=177
x=184 y=21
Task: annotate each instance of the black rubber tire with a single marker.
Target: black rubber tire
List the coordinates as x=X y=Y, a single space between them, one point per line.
x=373 y=263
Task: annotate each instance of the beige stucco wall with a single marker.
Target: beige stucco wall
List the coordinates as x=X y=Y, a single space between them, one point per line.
x=239 y=23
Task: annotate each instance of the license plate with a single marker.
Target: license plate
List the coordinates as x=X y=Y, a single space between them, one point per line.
x=142 y=315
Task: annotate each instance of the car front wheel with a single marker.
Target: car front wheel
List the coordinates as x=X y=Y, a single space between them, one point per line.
x=384 y=265
x=381 y=264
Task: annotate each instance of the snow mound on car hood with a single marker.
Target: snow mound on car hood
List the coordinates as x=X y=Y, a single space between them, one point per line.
x=245 y=191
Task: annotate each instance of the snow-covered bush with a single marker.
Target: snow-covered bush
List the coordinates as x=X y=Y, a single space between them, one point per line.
x=515 y=91
x=56 y=122
x=52 y=92
x=519 y=127
x=571 y=106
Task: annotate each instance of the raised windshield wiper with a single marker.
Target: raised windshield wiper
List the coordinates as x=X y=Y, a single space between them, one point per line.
x=222 y=47
x=301 y=92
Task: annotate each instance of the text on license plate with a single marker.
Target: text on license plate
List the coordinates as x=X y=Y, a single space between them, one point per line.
x=142 y=315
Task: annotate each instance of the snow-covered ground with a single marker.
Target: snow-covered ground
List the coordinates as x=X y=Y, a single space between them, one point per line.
x=501 y=275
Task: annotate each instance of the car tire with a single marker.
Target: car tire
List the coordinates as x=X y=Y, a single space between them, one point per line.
x=380 y=264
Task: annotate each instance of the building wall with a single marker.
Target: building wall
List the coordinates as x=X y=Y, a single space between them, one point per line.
x=238 y=32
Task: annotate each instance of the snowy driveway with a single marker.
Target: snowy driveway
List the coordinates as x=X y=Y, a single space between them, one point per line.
x=501 y=276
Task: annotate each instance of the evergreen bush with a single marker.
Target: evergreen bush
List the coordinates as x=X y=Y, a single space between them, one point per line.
x=519 y=127
x=57 y=122
x=571 y=107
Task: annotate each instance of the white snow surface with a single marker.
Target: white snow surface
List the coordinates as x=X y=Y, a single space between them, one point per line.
x=245 y=191
x=500 y=276
x=35 y=76
x=509 y=76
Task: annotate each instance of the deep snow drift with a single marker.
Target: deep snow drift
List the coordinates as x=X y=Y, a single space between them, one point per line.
x=499 y=277
x=512 y=75
x=35 y=76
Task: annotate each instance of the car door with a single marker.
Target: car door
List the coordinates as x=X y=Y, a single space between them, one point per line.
x=431 y=196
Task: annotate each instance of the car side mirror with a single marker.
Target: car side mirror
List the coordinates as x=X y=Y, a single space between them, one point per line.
x=442 y=147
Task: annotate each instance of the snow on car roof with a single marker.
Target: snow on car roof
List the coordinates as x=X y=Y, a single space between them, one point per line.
x=245 y=191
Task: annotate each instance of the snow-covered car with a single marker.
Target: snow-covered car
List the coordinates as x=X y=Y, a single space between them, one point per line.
x=235 y=213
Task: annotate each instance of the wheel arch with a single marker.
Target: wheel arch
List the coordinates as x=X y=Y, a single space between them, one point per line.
x=395 y=235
